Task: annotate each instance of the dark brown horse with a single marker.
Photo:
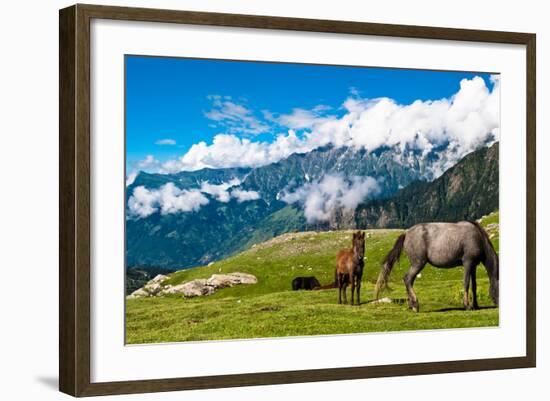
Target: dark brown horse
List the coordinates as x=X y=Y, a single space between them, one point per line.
x=444 y=245
x=349 y=268
x=305 y=283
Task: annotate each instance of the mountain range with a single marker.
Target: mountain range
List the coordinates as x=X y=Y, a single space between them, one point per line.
x=404 y=187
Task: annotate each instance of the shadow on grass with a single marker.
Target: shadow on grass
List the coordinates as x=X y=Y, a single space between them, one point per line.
x=461 y=309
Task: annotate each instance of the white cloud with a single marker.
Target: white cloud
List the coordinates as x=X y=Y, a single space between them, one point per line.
x=302 y=119
x=354 y=91
x=465 y=121
x=148 y=164
x=299 y=119
x=219 y=191
x=131 y=177
x=232 y=151
x=166 y=141
x=243 y=196
x=321 y=108
x=235 y=118
x=168 y=199
x=321 y=198
x=143 y=202
x=359 y=189
x=175 y=200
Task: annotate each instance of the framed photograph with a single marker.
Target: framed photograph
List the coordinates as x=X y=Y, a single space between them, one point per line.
x=249 y=200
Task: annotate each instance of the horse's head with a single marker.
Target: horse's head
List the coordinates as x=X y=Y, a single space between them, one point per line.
x=359 y=245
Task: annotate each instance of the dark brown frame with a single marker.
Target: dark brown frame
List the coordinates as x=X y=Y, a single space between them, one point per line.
x=74 y=199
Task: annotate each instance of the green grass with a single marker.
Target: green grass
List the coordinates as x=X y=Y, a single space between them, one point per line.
x=270 y=309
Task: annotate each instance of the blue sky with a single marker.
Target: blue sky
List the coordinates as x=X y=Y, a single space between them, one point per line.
x=173 y=103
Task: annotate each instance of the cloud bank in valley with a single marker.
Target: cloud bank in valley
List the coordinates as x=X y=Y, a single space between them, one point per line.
x=169 y=199
x=320 y=198
x=220 y=191
x=243 y=196
x=463 y=122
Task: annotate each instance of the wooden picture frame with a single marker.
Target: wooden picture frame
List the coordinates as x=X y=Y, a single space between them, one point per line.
x=74 y=199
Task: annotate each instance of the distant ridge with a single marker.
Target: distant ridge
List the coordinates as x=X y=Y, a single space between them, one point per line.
x=468 y=190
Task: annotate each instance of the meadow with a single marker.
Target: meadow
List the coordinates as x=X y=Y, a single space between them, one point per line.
x=271 y=309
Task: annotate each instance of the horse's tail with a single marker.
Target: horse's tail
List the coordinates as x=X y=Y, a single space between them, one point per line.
x=387 y=265
x=490 y=262
x=326 y=286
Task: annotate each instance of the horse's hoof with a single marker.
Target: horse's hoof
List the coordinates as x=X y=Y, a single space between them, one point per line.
x=415 y=309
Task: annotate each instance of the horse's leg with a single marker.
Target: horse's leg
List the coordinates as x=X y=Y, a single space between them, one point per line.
x=352 y=281
x=358 y=289
x=409 y=281
x=467 y=275
x=344 y=287
x=474 y=287
x=339 y=287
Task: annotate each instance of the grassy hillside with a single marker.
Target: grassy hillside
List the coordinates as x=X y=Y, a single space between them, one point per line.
x=270 y=309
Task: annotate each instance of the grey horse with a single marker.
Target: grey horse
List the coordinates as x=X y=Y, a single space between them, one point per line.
x=444 y=245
